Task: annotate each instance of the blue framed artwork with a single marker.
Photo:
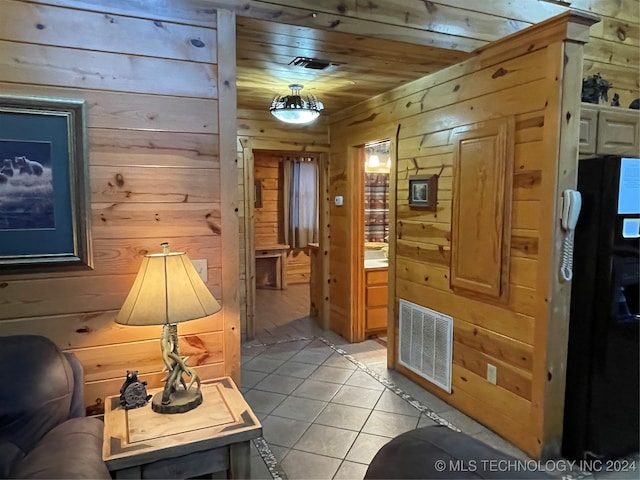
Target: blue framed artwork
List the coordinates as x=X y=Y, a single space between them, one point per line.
x=44 y=194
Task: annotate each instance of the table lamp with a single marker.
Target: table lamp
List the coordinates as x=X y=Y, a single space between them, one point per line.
x=167 y=291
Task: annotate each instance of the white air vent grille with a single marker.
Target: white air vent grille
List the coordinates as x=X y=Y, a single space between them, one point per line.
x=426 y=338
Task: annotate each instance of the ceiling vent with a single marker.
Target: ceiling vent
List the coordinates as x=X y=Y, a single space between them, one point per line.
x=312 y=63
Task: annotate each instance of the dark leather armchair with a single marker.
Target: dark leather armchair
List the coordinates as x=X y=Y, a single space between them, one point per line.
x=43 y=430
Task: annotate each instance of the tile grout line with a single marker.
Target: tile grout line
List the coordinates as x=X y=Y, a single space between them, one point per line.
x=392 y=386
x=269 y=459
x=263 y=447
x=279 y=342
x=261 y=444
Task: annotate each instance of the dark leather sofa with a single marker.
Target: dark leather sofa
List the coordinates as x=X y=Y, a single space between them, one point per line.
x=437 y=452
x=43 y=429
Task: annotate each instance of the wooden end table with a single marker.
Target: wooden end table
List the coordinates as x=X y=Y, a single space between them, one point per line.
x=215 y=436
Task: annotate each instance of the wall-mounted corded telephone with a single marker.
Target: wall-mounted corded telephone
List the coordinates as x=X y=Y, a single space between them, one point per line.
x=571 y=204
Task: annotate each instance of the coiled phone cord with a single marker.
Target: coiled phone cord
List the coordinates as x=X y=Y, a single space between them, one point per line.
x=566 y=269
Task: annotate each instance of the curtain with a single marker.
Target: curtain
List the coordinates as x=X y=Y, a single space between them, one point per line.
x=376 y=207
x=300 y=202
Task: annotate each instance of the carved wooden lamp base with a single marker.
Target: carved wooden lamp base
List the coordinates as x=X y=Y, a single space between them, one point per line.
x=181 y=401
x=177 y=396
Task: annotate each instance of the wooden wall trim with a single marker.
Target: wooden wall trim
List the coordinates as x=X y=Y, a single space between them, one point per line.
x=392 y=310
x=325 y=241
x=249 y=240
x=229 y=192
x=351 y=246
x=358 y=286
x=562 y=122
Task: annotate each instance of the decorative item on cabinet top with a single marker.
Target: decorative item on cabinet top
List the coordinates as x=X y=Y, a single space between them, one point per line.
x=595 y=88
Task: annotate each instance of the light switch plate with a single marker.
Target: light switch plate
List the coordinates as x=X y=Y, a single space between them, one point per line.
x=492 y=373
x=201 y=267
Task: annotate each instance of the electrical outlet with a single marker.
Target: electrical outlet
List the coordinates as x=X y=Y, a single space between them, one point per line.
x=492 y=373
x=201 y=267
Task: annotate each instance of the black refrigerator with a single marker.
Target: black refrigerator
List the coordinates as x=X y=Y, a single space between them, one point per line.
x=602 y=389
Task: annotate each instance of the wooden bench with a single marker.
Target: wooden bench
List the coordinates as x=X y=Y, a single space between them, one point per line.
x=271 y=263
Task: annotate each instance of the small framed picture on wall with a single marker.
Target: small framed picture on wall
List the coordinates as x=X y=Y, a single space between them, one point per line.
x=423 y=191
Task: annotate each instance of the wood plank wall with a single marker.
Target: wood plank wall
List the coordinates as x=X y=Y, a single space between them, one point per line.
x=257 y=129
x=518 y=77
x=150 y=81
x=267 y=220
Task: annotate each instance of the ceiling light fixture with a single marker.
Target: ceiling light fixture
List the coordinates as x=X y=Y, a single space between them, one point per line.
x=373 y=161
x=294 y=108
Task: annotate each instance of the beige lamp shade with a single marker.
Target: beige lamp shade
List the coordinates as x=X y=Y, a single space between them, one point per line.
x=167 y=289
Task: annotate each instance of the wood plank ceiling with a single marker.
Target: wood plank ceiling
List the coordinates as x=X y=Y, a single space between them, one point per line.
x=376 y=46
x=360 y=67
x=371 y=48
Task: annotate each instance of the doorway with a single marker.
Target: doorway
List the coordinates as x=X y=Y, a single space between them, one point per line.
x=348 y=277
x=371 y=221
x=377 y=167
x=285 y=232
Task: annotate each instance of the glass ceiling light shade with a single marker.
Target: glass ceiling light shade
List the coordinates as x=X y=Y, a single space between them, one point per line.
x=295 y=108
x=373 y=161
x=168 y=291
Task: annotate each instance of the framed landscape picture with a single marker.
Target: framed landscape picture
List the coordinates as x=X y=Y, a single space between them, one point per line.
x=423 y=191
x=44 y=194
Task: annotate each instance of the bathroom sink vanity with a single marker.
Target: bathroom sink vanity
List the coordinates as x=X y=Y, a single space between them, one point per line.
x=376 y=268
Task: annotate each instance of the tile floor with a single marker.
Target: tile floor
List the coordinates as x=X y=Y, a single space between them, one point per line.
x=325 y=416
x=327 y=411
